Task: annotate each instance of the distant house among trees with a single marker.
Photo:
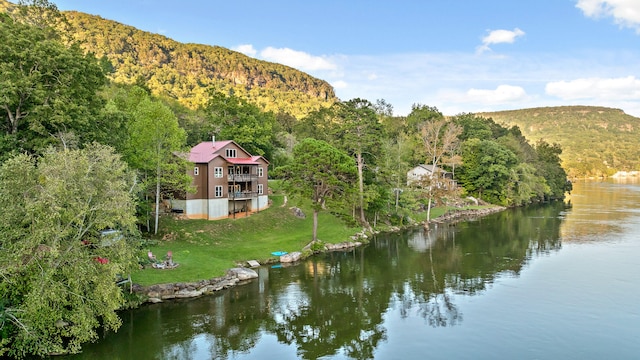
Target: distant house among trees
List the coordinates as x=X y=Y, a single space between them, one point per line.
x=229 y=182
x=422 y=174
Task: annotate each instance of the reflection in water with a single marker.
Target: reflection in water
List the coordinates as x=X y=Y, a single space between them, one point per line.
x=600 y=208
x=336 y=303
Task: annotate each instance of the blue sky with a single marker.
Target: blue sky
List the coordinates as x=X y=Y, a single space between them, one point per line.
x=456 y=55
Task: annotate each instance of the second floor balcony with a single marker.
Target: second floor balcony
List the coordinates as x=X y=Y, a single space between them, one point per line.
x=245 y=194
x=241 y=177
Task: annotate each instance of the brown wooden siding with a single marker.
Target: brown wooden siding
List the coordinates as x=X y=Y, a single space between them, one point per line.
x=264 y=179
x=214 y=181
x=199 y=181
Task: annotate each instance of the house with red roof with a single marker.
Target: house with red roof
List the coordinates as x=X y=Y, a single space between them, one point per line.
x=229 y=182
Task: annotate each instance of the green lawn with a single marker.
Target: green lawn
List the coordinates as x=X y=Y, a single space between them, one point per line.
x=206 y=249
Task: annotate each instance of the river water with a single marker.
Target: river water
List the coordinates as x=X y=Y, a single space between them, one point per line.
x=558 y=281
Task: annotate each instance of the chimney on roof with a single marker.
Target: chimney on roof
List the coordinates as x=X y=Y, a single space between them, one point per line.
x=213 y=139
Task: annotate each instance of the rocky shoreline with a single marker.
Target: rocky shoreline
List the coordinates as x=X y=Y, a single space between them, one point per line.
x=462 y=215
x=160 y=292
x=242 y=275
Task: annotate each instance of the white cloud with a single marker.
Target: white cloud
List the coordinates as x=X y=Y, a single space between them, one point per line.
x=502 y=94
x=297 y=59
x=339 y=84
x=603 y=89
x=465 y=82
x=499 y=37
x=624 y=12
x=246 y=49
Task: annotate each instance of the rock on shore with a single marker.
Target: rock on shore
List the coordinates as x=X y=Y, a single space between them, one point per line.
x=459 y=215
x=239 y=275
x=160 y=292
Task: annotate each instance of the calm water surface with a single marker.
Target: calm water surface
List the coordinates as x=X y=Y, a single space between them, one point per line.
x=560 y=281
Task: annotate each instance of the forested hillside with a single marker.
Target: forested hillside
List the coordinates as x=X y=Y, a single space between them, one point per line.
x=595 y=141
x=185 y=72
x=80 y=155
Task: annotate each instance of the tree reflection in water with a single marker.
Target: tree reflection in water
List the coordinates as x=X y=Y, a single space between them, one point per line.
x=336 y=309
x=340 y=298
x=336 y=303
x=428 y=294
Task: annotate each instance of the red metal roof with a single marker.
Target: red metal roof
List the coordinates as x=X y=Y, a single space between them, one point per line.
x=207 y=151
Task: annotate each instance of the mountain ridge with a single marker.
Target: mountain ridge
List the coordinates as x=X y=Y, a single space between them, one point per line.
x=193 y=68
x=575 y=127
x=186 y=72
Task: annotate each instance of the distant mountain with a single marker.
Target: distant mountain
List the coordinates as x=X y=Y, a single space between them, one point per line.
x=596 y=141
x=185 y=72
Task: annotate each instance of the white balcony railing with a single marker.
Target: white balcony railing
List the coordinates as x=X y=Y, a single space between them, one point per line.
x=241 y=177
x=243 y=195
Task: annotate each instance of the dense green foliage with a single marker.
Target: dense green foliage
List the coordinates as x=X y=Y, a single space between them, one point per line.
x=321 y=173
x=47 y=90
x=58 y=274
x=185 y=72
x=231 y=117
x=486 y=168
x=595 y=141
x=500 y=166
x=138 y=102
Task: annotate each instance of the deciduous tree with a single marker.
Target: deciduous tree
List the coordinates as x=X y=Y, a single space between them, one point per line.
x=440 y=138
x=358 y=131
x=233 y=118
x=319 y=172
x=46 y=89
x=549 y=166
x=154 y=140
x=486 y=169
x=58 y=275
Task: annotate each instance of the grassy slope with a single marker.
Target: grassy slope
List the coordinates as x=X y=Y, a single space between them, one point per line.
x=206 y=249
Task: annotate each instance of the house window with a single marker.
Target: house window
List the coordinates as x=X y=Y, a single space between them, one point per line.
x=231 y=153
x=217 y=172
x=218 y=191
x=196 y=171
x=260 y=171
x=260 y=189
